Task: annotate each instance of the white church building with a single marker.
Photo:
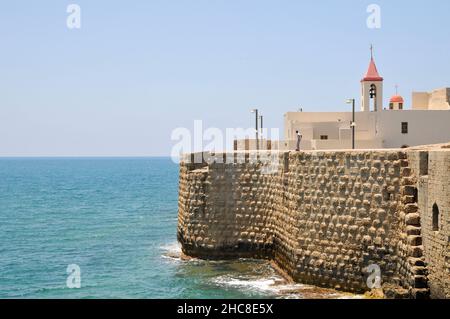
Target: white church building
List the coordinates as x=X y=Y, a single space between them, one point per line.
x=376 y=126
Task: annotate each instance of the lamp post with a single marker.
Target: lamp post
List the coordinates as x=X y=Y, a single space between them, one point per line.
x=256 y=127
x=352 y=123
x=261 y=126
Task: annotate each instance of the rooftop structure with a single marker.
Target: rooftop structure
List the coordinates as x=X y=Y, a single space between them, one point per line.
x=375 y=126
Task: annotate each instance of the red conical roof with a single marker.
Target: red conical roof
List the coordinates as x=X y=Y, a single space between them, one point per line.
x=372 y=73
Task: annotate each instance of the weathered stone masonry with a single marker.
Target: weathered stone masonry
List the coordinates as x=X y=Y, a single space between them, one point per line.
x=324 y=217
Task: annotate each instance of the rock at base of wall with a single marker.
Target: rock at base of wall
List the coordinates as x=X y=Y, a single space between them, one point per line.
x=395 y=292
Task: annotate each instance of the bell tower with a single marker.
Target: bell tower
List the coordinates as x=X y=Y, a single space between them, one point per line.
x=372 y=88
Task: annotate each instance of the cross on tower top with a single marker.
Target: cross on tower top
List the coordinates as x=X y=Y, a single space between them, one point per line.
x=372 y=73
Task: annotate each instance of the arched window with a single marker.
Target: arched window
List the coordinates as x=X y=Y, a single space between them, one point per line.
x=373 y=91
x=435 y=217
x=373 y=98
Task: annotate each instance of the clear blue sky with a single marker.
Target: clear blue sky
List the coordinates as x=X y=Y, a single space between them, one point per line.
x=138 y=69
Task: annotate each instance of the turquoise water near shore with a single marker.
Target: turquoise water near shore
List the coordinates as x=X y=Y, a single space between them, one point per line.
x=116 y=219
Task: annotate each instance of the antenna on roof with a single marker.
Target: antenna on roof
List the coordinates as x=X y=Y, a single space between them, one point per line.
x=371 y=51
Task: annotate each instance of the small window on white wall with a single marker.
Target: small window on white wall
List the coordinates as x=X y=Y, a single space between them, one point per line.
x=404 y=127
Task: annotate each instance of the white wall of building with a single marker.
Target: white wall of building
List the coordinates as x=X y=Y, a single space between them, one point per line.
x=424 y=127
x=381 y=129
x=436 y=100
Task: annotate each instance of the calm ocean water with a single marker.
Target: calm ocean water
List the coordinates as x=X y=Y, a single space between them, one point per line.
x=116 y=219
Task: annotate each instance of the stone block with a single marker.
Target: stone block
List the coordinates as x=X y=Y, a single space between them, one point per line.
x=414 y=240
x=411 y=208
x=415 y=251
x=412 y=219
x=413 y=230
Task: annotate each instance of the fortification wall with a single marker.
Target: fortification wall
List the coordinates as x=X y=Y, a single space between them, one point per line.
x=225 y=211
x=323 y=217
x=432 y=170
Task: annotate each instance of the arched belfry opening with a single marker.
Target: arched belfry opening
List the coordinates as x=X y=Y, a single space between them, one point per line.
x=435 y=217
x=373 y=91
x=373 y=97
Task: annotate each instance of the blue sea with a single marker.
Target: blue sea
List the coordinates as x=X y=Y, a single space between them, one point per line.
x=115 y=219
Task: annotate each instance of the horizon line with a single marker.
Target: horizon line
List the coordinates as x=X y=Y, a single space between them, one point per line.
x=85 y=156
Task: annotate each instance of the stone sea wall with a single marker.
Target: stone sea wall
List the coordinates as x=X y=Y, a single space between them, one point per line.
x=324 y=217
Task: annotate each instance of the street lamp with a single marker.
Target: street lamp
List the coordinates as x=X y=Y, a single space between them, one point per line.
x=352 y=123
x=261 y=126
x=256 y=127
